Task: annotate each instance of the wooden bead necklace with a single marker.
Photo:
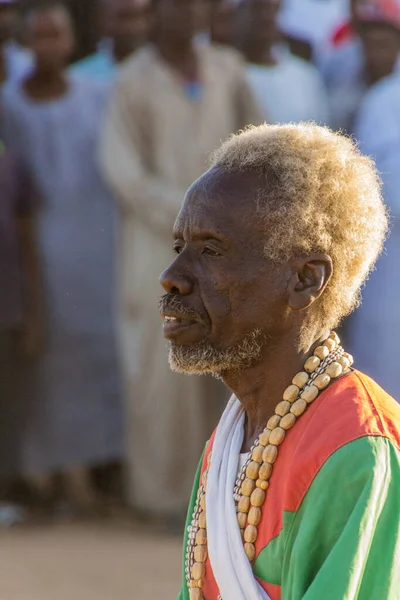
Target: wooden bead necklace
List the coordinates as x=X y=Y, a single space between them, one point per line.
x=328 y=362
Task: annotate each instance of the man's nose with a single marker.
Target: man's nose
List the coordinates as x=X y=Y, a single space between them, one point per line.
x=175 y=283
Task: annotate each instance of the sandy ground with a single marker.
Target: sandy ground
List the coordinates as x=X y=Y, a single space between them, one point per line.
x=88 y=562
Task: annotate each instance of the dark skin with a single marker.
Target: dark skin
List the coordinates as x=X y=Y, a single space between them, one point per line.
x=174 y=27
x=50 y=36
x=126 y=22
x=381 y=45
x=221 y=274
x=257 y=30
x=222 y=25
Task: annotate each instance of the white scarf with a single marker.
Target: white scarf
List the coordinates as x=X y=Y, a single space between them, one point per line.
x=231 y=567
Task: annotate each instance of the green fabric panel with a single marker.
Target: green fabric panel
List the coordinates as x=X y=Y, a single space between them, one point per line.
x=184 y=593
x=344 y=541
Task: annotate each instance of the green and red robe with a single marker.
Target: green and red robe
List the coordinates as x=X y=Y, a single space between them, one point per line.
x=330 y=527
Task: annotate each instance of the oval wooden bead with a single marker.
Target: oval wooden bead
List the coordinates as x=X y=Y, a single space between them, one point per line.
x=200 y=554
x=254 y=515
x=244 y=504
x=334 y=336
x=242 y=519
x=195 y=593
x=252 y=470
x=282 y=409
x=202 y=520
x=343 y=362
x=257 y=453
x=287 y=422
x=264 y=437
x=277 y=436
x=265 y=471
x=334 y=370
x=321 y=351
x=248 y=486
x=201 y=537
x=250 y=551
x=203 y=501
x=198 y=570
x=273 y=422
x=262 y=484
x=330 y=344
x=299 y=407
x=257 y=497
x=291 y=393
x=310 y=393
x=322 y=381
x=300 y=379
x=312 y=363
x=250 y=534
x=270 y=454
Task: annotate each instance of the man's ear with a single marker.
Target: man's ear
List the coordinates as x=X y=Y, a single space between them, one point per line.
x=310 y=276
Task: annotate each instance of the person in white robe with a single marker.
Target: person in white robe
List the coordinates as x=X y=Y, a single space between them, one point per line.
x=173 y=103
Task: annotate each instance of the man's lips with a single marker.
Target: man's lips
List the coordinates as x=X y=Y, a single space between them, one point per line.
x=176 y=327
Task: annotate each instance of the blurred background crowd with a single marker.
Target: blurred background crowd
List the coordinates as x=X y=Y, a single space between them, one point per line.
x=108 y=112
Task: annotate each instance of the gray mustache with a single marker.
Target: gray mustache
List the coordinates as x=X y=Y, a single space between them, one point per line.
x=174 y=304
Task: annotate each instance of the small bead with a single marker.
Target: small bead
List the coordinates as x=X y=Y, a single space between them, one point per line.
x=330 y=344
x=343 y=362
x=312 y=363
x=321 y=352
x=200 y=554
x=250 y=552
x=250 y=534
x=334 y=370
x=300 y=379
x=200 y=583
x=277 y=436
x=291 y=393
x=273 y=422
x=264 y=437
x=201 y=537
x=349 y=357
x=257 y=497
x=252 y=470
x=257 y=453
x=287 y=422
x=334 y=336
x=262 y=484
x=198 y=570
x=282 y=409
x=203 y=502
x=265 y=471
x=299 y=407
x=244 y=504
x=195 y=594
x=310 y=393
x=254 y=516
x=248 y=486
x=241 y=519
x=322 y=381
x=202 y=520
x=270 y=454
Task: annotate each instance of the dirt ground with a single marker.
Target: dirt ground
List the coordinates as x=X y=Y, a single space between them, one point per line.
x=88 y=562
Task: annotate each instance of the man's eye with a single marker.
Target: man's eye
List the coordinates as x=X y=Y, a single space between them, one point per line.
x=210 y=251
x=178 y=249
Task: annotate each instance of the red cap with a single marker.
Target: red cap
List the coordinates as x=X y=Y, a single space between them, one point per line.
x=379 y=11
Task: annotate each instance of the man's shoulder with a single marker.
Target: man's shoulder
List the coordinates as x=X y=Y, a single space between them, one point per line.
x=383 y=94
x=138 y=63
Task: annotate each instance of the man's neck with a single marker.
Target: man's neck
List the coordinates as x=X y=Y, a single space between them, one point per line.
x=181 y=57
x=48 y=85
x=121 y=52
x=260 y=387
x=260 y=56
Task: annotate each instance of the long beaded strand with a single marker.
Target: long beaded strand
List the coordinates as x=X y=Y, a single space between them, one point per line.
x=328 y=362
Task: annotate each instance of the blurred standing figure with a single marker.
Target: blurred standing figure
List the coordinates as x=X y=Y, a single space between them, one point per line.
x=52 y=121
x=375 y=327
x=173 y=102
x=125 y=22
x=365 y=59
x=222 y=22
x=14 y=60
x=287 y=87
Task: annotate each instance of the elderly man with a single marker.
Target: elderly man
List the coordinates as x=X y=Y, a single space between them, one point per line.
x=174 y=102
x=298 y=492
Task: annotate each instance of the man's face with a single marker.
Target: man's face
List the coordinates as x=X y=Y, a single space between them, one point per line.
x=223 y=23
x=176 y=20
x=50 y=37
x=224 y=300
x=128 y=21
x=258 y=19
x=381 y=45
x=8 y=22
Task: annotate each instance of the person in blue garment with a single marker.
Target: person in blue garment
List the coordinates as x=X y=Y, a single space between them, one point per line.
x=125 y=22
x=52 y=121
